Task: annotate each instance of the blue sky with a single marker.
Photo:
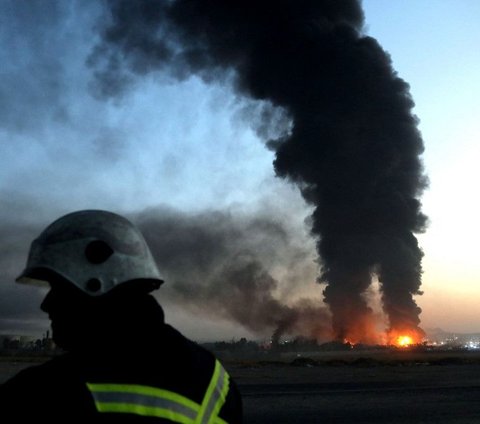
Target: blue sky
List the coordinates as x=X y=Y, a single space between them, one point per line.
x=190 y=147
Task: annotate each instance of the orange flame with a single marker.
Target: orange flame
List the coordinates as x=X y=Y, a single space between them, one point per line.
x=403 y=338
x=404 y=341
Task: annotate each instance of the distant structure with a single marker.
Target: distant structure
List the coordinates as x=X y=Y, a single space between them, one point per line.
x=14 y=343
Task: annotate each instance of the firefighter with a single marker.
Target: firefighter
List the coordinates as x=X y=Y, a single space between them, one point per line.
x=122 y=362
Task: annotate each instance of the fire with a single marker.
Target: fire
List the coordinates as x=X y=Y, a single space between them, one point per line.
x=404 y=341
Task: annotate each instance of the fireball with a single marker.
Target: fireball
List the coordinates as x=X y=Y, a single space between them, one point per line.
x=403 y=341
x=403 y=338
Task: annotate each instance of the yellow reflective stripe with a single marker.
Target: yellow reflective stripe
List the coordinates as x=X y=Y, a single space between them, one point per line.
x=209 y=392
x=222 y=396
x=108 y=398
x=156 y=402
x=146 y=391
x=144 y=400
x=143 y=410
x=215 y=395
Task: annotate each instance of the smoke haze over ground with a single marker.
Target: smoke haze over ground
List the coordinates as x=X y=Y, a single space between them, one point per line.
x=240 y=267
x=343 y=131
x=248 y=268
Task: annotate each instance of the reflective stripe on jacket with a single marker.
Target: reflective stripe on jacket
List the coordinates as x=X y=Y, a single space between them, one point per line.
x=156 y=402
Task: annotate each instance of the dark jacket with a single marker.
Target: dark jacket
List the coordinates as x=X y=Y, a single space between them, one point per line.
x=132 y=380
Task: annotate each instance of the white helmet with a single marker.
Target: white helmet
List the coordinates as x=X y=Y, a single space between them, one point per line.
x=95 y=250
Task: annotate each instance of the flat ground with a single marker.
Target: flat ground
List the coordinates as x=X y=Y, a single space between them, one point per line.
x=353 y=387
x=378 y=388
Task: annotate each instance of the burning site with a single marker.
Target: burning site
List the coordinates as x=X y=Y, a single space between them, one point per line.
x=272 y=155
x=326 y=100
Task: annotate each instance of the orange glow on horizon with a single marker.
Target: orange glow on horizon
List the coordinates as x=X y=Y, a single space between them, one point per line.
x=400 y=338
x=403 y=339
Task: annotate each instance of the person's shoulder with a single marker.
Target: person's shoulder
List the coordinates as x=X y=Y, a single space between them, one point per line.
x=40 y=373
x=30 y=385
x=50 y=389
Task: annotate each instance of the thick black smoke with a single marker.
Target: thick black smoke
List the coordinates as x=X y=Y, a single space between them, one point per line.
x=352 y=143
x=218 y=263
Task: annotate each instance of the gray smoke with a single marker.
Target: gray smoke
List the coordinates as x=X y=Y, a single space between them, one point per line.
x=350 y=141
x=217 y=263
x=20 y=223
x=228 y=265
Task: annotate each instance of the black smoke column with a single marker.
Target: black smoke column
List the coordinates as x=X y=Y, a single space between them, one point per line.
x=352 y=145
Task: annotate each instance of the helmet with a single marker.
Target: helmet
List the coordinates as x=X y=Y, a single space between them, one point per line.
x=95 y=250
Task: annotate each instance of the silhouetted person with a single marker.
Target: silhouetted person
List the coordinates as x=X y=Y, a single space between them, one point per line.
x=122 y=362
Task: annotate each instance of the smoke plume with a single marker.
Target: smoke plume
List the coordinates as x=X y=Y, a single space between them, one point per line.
x=217 y=263
x=347 y=137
